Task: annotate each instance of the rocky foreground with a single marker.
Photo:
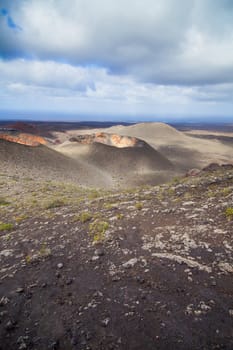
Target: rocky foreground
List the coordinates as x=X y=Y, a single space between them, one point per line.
x=148 y=268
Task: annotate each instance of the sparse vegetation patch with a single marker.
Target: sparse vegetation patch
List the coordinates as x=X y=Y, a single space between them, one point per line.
x=83 y=217
x=120 y=216
x=3 y=202
x=44 y=251
x=229 y=213
x=6 y=226
x=97 y=230
x=138 y=206
x=56 y=203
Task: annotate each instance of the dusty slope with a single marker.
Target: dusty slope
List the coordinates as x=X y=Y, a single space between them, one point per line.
x=151 y=131
x=145 y=269
x=45 y=163
x=95 y=165
x=183 y=150
x=102 y=166
x=128 y=166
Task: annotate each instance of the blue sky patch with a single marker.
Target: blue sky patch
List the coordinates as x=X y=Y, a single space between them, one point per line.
x=11 y=24
x=4 y=12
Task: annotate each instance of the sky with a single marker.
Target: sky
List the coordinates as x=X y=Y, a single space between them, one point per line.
x=117 y=58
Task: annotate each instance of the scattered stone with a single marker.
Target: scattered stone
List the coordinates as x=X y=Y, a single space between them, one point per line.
x=54 y=345
x=95 y=257
x=10 y=325
x=74 y=340
x=60 y=265
x=130 y=263
x=88 y=336
x=6 y=252
x=22 y=341
x=116 y=279
x=19 y=290
x=22 y=346
x=4 y=301
x=225 y=267
x=140 y=279
x=193 y=172
x=3 y=313
x=182 y=260
x=69 y=281
x=105 y=322
x=99 y=252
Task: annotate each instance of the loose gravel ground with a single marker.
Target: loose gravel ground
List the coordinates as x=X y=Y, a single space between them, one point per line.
x=145 y=268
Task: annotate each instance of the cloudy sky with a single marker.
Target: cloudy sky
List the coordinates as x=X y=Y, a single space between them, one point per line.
x=108 y=58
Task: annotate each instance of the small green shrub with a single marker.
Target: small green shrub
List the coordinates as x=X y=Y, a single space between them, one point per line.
x=229 y=213
x=44 y=251
x=211 y=193
x=226 y=191
x=20 y=218
x=3 y=202
x=188 y=196
x=93 y=194
x=120 y=216
x=28 y=259
x=56 y=203
x=6 y=226
x=83 y=217
x=139 y=206
x=108 y=206
x=171 y=191
x=175 y=180
x=97 y=229
x=146 y=197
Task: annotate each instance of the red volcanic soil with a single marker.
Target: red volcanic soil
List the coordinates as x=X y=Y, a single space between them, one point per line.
x=24 y=139
x=114 y=140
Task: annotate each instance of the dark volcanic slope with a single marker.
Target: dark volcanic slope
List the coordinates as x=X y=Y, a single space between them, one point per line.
x=45 y=163
x=139 y=270
x=128 y=166
x=94 y=165
x=128 y=159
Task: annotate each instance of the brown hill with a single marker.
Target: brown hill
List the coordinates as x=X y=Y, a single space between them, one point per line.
x=25 y=128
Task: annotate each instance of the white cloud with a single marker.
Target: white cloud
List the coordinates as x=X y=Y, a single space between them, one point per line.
x=163 y=41
x=153 y=55
x=91 y=82
x=54 y=85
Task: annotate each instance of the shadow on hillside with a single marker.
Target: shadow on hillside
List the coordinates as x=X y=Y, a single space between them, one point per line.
x=183 y=158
